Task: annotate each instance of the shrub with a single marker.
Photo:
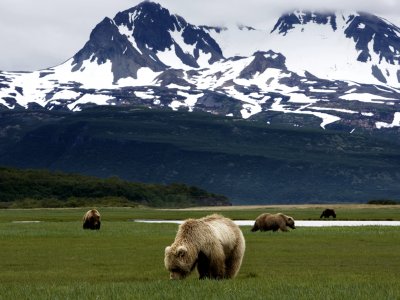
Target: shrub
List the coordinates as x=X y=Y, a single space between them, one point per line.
x=383 y=202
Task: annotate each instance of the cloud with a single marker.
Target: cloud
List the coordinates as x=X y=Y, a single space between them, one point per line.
x=254 y=12
x=42 y=33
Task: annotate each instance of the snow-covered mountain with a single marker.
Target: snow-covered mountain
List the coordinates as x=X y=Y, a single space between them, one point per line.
x=326 y=69
x=132 y=41
x=359 y=47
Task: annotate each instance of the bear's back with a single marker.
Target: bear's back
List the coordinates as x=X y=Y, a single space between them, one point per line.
x=224 y=229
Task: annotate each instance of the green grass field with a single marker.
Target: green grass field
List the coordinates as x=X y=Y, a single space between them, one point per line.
x=56 y=259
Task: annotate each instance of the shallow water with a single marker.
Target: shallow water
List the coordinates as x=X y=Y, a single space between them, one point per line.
x=25 y=222
x=300 y=223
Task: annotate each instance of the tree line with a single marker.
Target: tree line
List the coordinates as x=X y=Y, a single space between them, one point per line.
x=43 y=188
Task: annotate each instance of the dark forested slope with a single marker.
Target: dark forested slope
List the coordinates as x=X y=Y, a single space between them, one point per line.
x=248 y=161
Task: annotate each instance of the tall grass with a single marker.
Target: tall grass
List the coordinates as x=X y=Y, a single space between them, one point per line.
x=124 y=260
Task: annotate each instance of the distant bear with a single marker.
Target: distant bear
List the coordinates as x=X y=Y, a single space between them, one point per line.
x=91 y=220
x=266 y=221
x=327 y=213
x=214 y=243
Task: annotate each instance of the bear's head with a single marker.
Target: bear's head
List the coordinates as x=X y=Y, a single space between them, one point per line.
x=290 y=222
x=178 y=262
x=92 y=220
x=95 y=221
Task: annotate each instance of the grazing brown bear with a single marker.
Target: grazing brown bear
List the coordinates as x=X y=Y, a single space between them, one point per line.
x=214 y=243
x=266 y=221
x=327 y=213
x=91 y=220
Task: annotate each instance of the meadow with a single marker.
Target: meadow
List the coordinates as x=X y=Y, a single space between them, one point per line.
x=56 y=259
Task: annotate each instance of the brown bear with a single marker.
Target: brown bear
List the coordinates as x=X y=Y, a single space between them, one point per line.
x=327 y=213
x=266 y=221
x=214 y=243
x=91 y=220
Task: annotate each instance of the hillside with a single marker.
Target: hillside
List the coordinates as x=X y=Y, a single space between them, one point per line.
x=248 y=161
x=40 y=188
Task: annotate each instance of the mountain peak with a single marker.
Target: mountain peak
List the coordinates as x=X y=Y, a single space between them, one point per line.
x=148 y=5
x=147 y=35
x=299 y=17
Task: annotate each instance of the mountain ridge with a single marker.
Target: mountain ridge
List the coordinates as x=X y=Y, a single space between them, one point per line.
x=146 y=55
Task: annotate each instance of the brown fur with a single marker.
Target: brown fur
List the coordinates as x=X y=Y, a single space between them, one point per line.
x=214 y=243
x=327 y=213
x=266 y=221
x=92 y=220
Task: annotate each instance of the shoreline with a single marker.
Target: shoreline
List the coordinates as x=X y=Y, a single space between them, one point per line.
x=298 y=223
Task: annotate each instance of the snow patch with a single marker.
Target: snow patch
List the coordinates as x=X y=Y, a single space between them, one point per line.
x=90 y=98
x=91 y=75
x=395 y=123
x=189 y=102
x=145 y=76
x=169 y=58
x=144 y=95
x=65 y=94
x=179 y=87
x=326 y=118
x=178 y=38
x=365 y=97
x=367 y=114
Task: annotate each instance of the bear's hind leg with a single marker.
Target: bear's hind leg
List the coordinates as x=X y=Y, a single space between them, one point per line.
x=217 y=269
x=217 y=263
x=234 y=261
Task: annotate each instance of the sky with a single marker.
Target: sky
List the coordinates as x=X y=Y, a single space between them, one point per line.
x=37 y=34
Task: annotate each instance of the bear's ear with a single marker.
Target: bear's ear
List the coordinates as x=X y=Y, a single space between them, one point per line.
x=167 y=249
x=181 y=251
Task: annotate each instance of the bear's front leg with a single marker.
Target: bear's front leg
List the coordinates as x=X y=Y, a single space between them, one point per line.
x=203 y=266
